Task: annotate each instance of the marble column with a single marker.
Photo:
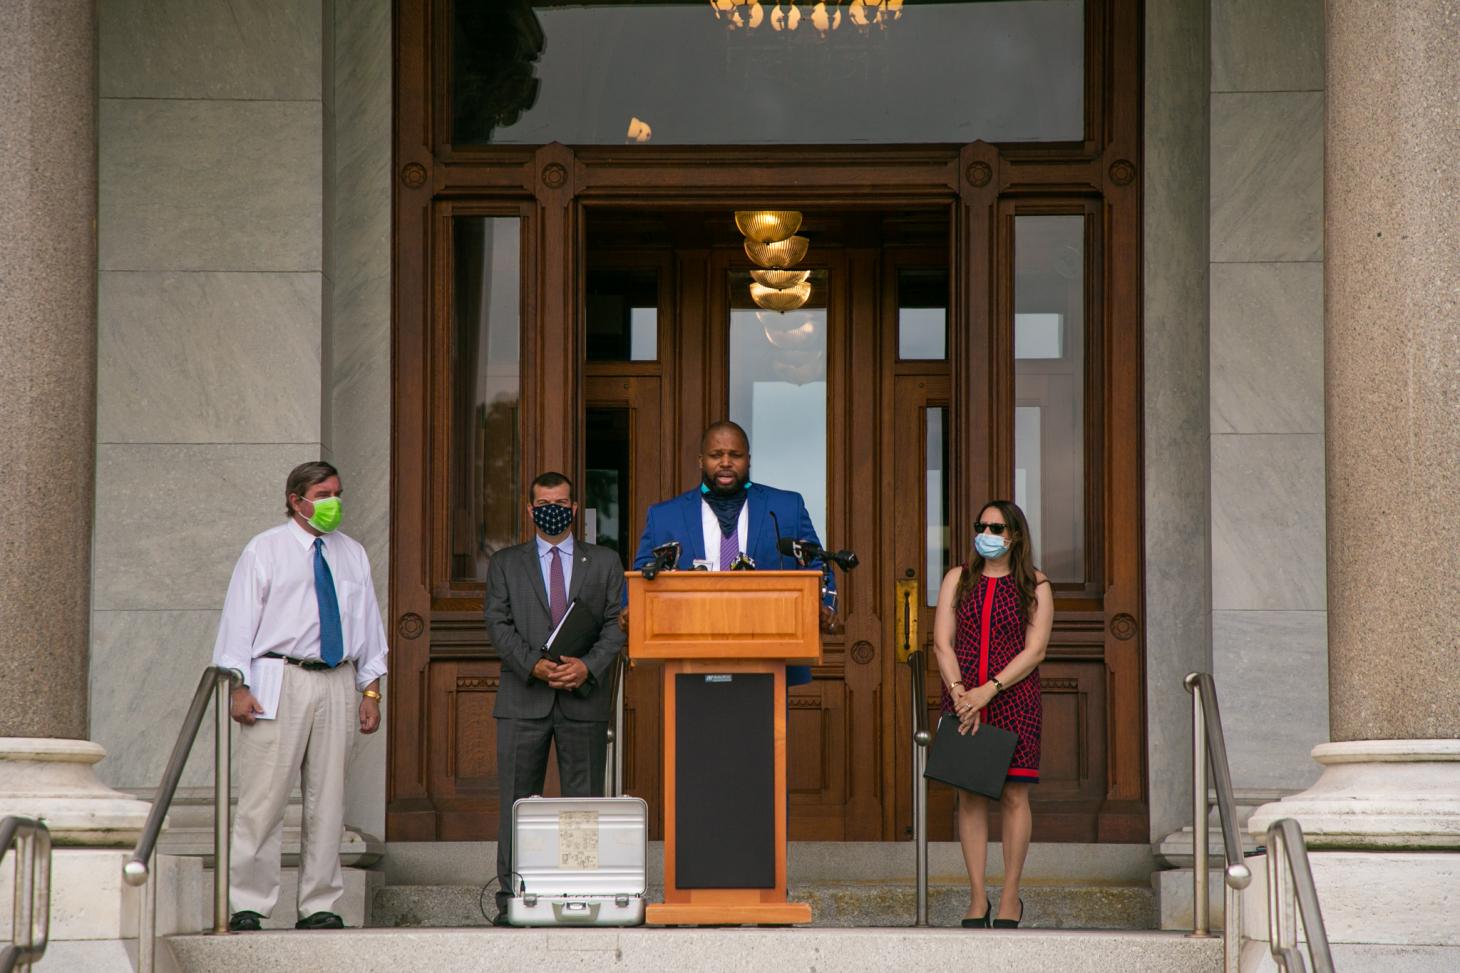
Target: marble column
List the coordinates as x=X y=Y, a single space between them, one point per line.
x=48 y=364
x=48 y=414
x=1388 y=800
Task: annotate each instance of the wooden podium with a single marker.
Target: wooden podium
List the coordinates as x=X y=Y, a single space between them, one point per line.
x=725 y=638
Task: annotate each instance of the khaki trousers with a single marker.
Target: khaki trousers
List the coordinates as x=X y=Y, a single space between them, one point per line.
x=310 y=741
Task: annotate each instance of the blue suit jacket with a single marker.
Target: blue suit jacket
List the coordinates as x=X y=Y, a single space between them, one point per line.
x=679 y=519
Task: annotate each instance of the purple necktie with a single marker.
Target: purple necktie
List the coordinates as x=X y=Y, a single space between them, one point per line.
x=729 y=550
x=557 y=590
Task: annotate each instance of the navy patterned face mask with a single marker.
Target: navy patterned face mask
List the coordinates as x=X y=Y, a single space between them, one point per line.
x=552 y=518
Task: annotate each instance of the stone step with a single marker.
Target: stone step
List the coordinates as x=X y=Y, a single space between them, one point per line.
x=833 y=904
x=695 y=951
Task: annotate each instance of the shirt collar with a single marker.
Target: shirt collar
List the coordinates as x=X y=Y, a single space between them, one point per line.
x=543 y=546
x=303 y=537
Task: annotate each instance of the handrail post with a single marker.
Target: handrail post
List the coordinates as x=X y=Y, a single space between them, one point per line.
x=222 y=777
x=920 y=739
x=147 y=921
x=1200 y=828
x=1232 y=929
x=614 y=785
x=920 y=764
x=31 y=890
x=22 y=919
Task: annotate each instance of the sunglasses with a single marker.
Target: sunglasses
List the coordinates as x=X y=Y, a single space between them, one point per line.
x=998 y=529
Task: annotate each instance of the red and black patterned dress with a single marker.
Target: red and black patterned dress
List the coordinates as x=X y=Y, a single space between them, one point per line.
x=988 y=637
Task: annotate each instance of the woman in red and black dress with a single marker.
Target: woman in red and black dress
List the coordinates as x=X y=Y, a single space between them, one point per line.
x=990 y=633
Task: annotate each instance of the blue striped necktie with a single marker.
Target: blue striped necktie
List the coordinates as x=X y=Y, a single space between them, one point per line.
x=331 y=639
x=729 y=549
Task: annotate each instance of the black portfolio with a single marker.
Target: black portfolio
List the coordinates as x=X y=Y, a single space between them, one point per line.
x=976 y=762
x=576 y=633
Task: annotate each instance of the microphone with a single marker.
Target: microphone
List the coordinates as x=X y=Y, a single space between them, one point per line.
x=775 y=520
x=666 y=557
x=809 y=552
x=803 y=551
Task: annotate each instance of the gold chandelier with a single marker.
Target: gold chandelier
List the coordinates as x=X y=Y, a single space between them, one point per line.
x=777 y=256
x=790 y=299
x=780 y=279
x=771 y=244
x=768 y=225
x=823 y=16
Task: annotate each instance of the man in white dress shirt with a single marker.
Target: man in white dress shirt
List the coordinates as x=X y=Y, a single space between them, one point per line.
x=301 y=593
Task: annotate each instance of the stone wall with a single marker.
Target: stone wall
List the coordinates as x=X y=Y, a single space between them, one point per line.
x=244 y=306
x=213 y=318
x=360 y=376
x=1269 y=623
x=1174 y=249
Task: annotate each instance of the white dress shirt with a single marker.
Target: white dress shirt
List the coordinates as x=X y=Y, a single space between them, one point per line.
x=271 y=605
x=545 y=561
x=710 y=524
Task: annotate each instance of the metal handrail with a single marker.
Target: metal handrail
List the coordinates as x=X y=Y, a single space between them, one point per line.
x=613 y=784
x=216 y=682
x=1207 y=740
x=920 y=740
x=32 y=841
x=1287 y=887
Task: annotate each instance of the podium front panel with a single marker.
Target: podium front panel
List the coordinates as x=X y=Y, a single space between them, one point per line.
x=725 y=615
x=725 y=780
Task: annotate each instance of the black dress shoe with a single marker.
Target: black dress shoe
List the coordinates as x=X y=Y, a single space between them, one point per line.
x=321 y=920
x=500 y=919
x=980 y=922
x=244 y=921
x=1011 y=923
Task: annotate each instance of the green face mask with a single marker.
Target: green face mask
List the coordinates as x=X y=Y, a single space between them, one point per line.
x=326 y=514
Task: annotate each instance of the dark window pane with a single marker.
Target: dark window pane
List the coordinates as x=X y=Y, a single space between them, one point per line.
x=938 y=535
x=682 y=72
x=1049 y=389
x=922 y=315
x=606 y=492
x=623 y=315
x=486 y=488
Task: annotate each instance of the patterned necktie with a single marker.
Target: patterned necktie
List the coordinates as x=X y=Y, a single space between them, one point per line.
x=557 y=589
x=331 y=639
x=729 y=549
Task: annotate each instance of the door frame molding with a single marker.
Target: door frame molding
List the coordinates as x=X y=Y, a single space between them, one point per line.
x=556 y=186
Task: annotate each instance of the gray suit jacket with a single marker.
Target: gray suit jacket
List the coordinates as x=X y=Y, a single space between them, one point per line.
x=518 y=623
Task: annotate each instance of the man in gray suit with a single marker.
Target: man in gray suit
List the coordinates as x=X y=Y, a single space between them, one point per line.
x=529 y=590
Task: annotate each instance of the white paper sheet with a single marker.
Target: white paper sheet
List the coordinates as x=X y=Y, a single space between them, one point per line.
x=265 y=679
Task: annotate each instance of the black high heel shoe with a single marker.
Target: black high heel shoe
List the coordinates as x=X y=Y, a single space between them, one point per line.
x=981 y=922
x=1010 y=923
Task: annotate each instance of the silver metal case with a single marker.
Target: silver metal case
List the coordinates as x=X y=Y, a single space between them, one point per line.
x=578 y=861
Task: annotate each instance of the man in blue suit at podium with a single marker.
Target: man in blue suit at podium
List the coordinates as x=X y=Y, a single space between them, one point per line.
x=727 y=518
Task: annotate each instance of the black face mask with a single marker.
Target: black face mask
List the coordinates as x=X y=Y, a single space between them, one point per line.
x=552 y=519
x=726 y=507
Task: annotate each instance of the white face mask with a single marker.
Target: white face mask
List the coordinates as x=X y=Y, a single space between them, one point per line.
x=990 y=546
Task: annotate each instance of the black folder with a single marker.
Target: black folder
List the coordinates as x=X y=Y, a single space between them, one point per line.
x=977 y=762
x=575 y=635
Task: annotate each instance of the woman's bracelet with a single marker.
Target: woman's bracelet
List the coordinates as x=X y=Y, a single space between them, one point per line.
x=959 y=685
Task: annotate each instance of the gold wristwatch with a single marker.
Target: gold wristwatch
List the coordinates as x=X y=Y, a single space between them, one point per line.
x=998 y=686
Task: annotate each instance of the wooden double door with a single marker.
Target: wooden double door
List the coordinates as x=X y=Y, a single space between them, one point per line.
x=892 y=401
x=831 y=413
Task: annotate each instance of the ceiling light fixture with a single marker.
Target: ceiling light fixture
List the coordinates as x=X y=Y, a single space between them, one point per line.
x=777 y=256
x=779 y=279
x=768 y=225
x=789 y=299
